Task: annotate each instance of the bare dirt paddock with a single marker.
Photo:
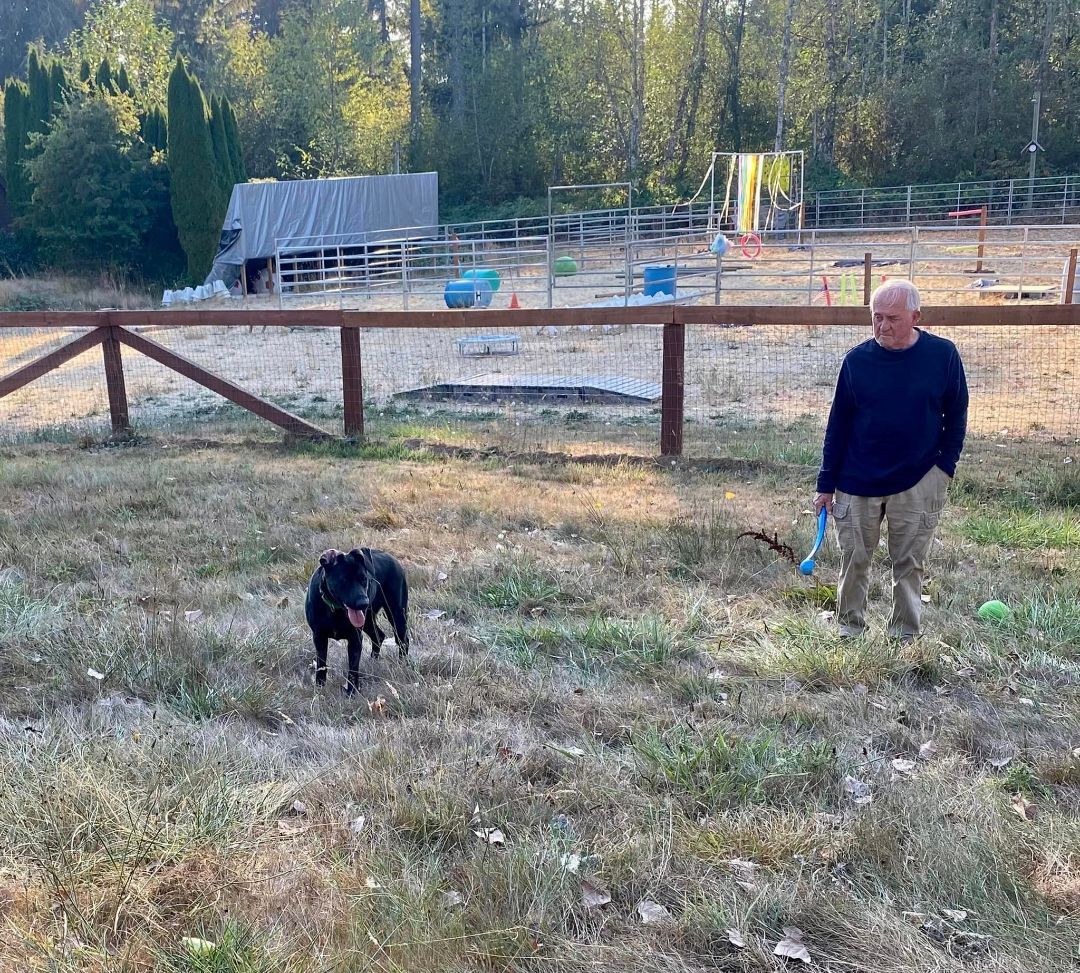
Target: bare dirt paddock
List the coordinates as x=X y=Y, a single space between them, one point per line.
x=1024 y=382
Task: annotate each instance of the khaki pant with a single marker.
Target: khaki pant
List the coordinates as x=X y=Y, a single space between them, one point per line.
x=913 y=517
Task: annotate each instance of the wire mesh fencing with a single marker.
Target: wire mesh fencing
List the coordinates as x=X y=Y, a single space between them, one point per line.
x=766 y=391
x=751 y=391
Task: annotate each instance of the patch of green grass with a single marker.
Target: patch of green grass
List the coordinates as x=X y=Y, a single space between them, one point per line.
x=344 y=449
x=641 y=645
x=820 y=596
x=1026 y=530
x=523 y=588
x=22 y=616
x=1022 y=779
x=1055 y=617
x=1031 y=488
x=709 y=770
x=821 y=658
x=231 y=949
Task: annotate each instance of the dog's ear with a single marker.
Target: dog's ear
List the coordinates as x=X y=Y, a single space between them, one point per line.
x=327 y=558
x=363 y=555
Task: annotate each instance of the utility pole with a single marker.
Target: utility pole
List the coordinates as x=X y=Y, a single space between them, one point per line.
x=1033 y=146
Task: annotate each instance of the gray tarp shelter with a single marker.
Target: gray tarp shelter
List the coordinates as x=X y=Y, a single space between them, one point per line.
x=353 y=210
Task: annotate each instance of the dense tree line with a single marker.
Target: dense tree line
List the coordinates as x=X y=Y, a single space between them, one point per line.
x=99 y=173
x=505 y=97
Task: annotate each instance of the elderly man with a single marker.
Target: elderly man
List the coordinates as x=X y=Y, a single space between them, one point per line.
x=896 y=428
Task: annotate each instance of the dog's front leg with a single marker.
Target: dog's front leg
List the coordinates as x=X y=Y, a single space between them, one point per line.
x=321 y=642
x=356 y=645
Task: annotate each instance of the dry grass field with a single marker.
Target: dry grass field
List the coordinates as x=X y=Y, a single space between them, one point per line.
x=626 y=738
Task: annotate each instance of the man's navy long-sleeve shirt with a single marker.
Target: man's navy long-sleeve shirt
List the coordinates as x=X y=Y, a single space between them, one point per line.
x=894 y=416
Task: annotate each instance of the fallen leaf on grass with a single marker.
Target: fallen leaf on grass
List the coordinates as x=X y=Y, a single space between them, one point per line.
x=592 y=896
x=492 y=836
x=198 y=946
x=94 y=674
x=1024 y=808
x=357 y=824
x=792 y=946
x=915 y=918
x=652 y=912
x=858 y=789
x=956 y=915
x=963 y=944
x=193 y=616
x=902 y=765
x=569 y=751
x=298 y=808
x=927 y=750
x=435 y=614
x=999 y=763
x=571 y=862
x=743 y=868
x=452 y=898
x=735 y=938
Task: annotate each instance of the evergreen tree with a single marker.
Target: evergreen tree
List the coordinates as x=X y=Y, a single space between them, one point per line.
x=103 y=78
x=232 y=133
x=153 y=130
x=194 y=185
x=16 y=120
x=57 y=86
x=123 y=85
x=84 y=72
x=221 y=147
x=38 y=81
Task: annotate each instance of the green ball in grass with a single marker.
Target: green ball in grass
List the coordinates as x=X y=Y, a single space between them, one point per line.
x=994 y=611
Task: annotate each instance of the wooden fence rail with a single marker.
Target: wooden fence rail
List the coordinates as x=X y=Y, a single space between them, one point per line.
x=111 y=329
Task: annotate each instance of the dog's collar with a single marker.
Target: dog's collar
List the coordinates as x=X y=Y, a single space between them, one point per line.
x=328 y=599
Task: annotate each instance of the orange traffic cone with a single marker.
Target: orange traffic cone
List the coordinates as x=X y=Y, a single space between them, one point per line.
x=514 y=301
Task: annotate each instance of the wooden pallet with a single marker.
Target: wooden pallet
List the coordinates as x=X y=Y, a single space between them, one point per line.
x=582 y=389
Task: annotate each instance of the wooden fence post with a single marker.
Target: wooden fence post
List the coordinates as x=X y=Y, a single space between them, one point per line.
x=114 y=382
x=352 y=382
x=1070 y=278
x=672 y=398
x=867 y=279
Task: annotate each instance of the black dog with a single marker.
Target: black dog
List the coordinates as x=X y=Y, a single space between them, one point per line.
x=345 y=594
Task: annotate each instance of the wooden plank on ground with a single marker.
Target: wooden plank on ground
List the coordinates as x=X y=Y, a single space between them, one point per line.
x=223 y=387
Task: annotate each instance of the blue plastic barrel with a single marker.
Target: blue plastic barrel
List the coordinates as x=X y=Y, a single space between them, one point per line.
x=467 y=293
x=660 y=280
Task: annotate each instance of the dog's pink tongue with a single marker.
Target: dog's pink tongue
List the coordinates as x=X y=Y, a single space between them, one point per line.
x=356 y=617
